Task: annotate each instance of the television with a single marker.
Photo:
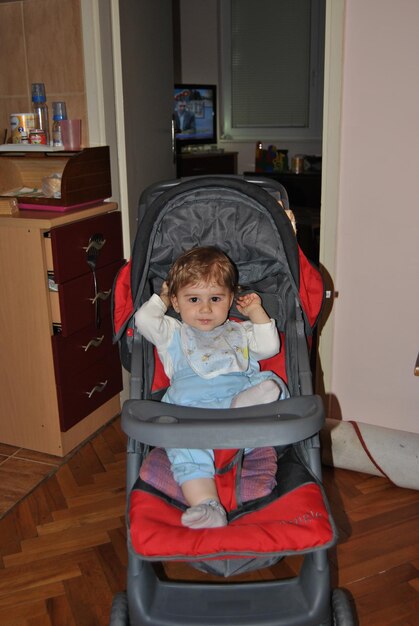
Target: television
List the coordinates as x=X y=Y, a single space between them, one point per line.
x=194 y=115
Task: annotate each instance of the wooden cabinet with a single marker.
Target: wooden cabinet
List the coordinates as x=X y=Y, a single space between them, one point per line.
x=60 y=373
x=202 y=163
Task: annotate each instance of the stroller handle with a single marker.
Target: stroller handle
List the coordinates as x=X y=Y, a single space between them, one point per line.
x=279 y=423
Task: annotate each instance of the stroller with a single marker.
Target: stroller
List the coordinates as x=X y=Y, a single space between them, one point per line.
x=274 y=498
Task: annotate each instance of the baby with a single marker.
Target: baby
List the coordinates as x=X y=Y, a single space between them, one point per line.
x=210 y=360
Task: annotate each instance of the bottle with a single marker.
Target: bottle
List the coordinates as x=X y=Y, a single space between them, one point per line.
x=40 y=108
x=59 y=112
x=258 y=156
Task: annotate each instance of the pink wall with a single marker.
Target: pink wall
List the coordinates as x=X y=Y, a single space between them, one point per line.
x=376 y=333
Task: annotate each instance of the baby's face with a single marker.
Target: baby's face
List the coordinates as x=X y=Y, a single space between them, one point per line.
x=203 y=306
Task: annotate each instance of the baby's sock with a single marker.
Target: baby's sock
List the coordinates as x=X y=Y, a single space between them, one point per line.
x=208 y=514
x=263 y=393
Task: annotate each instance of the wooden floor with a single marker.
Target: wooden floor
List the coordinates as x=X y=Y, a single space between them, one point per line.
x=63 y=553
x=21 y=471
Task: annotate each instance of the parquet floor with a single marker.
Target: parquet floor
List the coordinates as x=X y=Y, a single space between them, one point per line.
x=63 y=553
x=21 y=471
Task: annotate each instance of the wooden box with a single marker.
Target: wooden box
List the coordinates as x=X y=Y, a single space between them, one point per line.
x=85 y=176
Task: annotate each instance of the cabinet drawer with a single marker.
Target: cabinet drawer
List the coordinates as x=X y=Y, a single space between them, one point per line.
x=76 y=297
x=81 y=350
x=69 y=243
x=84 y=392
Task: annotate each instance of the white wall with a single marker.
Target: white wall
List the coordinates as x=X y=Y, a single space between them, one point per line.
x=199 y=41
x=376 y=319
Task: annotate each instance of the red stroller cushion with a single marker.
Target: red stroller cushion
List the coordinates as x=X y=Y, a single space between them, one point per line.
x=292 y=518
x=297 y=522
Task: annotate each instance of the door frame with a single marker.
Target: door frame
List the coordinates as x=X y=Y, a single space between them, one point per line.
x=332 y=113
x=103 y=78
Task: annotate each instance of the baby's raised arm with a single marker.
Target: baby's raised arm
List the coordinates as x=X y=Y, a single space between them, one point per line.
x=250 y=305
x=164 y=294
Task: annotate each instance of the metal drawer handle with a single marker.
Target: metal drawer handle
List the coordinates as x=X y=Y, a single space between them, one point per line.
x=95 y=243
x=102 y=295
x=94 y=342
x=97 y=388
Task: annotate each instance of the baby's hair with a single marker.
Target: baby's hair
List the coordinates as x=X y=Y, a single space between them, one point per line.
x=202 y=265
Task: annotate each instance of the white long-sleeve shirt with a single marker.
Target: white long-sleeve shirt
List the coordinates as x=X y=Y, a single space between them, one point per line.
x=158 y=328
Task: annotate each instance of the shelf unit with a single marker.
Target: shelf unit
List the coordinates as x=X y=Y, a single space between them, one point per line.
x=54 y=393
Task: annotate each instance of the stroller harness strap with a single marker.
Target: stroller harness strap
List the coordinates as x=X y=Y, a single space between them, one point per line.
x=226 y=475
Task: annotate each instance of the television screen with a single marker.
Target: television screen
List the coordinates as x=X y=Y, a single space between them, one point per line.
x=194 y=114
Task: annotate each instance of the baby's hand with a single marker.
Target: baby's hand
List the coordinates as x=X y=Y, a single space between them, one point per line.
x=164 y=294
x=248 y=302
x=250 y=305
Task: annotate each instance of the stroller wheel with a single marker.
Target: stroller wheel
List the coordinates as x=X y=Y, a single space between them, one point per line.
x=342 y=611
x=119 y=611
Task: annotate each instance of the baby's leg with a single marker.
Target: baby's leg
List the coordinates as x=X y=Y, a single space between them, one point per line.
x=263 y=393
x=199 y=490
x=205 y=510
x=193 y=470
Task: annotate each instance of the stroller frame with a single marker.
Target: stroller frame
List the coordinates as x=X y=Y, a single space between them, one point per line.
x=289 y=602
x=304 y=600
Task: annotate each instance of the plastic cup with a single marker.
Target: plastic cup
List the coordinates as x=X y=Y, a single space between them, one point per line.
x=71 y=134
